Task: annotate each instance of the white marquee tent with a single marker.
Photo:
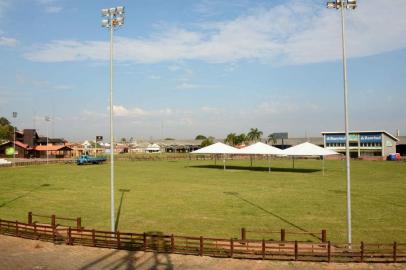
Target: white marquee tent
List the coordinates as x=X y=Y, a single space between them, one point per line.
x=217 y=148
x=260 y=148
x=308 y=149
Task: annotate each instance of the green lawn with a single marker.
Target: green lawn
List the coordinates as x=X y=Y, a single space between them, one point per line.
x=192 y=198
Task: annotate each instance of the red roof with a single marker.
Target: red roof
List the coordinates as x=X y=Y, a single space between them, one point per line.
x=51 y=147
x=22 y=145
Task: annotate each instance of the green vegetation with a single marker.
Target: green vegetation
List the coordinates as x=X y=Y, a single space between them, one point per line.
x=197 y=198
x=6 y=129
x=206 y=142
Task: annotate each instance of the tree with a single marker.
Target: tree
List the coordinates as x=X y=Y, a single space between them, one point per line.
x=206 y=142
x=200 y=137
x=6 y=129
x=254 y=135
x=242 y=138
x=231 y=139
x=271 y=138
x=123 y=140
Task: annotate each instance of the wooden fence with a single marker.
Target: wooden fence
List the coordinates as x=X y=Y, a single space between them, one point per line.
x=282 y=234
x=216 y=247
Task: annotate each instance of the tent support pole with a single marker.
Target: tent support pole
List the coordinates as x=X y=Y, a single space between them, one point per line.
x=215 y=160
x=322 y=160
x=224 y=161
x=251 y=160
x=293 y=162
x=269 y=162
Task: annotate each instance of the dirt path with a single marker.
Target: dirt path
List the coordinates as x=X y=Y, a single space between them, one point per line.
x=17 y=253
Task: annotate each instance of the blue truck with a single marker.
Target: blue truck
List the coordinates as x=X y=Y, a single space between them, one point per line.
x=85 y=159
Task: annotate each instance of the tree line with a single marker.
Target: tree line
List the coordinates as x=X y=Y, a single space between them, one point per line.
x=254 y=135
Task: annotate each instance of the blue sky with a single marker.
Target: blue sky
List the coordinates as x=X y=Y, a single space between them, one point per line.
x=202 y=67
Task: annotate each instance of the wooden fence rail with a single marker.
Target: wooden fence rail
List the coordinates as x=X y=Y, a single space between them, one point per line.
x=217 y=247
x=322 y=235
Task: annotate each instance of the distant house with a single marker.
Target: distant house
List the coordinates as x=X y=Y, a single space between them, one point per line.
x=30 y=145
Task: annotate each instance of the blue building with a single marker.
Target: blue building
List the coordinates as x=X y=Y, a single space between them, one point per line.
x=377 y=143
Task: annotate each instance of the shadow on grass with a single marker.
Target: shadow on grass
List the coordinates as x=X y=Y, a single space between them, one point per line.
x=24 y=195
x=259 y=169
x=123 y=191
x=238 y=196
x=135 y=260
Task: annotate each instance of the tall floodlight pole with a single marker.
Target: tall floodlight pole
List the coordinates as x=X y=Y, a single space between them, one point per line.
x=47 y=119
x=342 y=5
x=14 y=137
x=113 y=17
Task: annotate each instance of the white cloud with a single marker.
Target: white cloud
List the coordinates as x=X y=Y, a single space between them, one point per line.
x=50 y=6
x=40 y=84
x=53 y=9
x=291 y=33
x=122 y=111
x=8 y=42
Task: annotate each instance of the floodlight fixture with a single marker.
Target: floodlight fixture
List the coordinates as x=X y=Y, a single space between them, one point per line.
x=351 y=4
x=105 y=12
x=120 y=10
x=106 y=23
x=118 y=21
x=337 y=4
x=112 y=11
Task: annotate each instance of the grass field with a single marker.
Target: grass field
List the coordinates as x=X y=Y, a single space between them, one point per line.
x=196 y=198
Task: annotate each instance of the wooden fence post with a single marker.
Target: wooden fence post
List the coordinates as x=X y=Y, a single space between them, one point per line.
x=394 y=251
x=30 y=218
x=296 y=250
x=144 y=239
x=323 y=236
x=118 y=240
x=328 y=251
x=231 y=248
x=69 y=236
x=283 y=235
x=201 y=246
x=263 y=249
x=79 y=223
x=94 y=237
x=53 y=221
x=35 y=229
x=172 y=243
x=362 y=251
x=243 y=234
x=17 y=234
x=54 y=233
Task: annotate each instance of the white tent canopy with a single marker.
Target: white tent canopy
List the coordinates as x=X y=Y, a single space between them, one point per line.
x=260 y=148
x=308 y=149
x=217 y=148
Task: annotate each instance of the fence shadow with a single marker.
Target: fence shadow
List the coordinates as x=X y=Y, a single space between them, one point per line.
x=131 y=260
x=238 y=196
x=255 y=168
x=24 y=195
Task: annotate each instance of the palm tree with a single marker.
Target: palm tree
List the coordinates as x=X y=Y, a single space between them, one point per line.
x=206 y=142
x=254 y=135
x=271 y=138
x=231 y=139
x=240 y=139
